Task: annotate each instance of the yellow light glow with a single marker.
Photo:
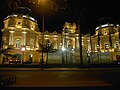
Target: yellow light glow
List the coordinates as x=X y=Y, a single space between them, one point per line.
x=11 y=27
x=63 y=49
x=41 y=1
x=18 y=26
x=23 y=48
x=12 y=31
x=32 y=28
x=24 y=32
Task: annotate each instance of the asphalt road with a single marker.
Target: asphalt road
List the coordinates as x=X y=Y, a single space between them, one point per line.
x=61 y=77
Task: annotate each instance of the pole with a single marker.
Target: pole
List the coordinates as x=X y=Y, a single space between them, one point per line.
x=98 y=55
x=62 y=58
x=42 y=35
x=62 y=36
x=65 y=44
x=80 y=41
x=23 y=57
x=91 y=58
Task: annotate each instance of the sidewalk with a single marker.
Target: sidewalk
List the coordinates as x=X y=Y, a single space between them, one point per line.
x=41 y=69
x=54 y=69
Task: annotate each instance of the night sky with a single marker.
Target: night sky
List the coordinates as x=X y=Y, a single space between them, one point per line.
x=89 y=13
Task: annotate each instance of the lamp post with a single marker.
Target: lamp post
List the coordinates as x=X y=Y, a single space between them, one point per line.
x=98 y=49
x=42 y=2
x=80 y=43
x=65 y=32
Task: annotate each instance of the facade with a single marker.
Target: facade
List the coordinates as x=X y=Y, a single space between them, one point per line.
x=104 y=43
x=22 y=40
x=70 y=43
x=20 y=36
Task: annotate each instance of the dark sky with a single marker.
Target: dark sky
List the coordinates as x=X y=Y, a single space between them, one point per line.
x=90 y=13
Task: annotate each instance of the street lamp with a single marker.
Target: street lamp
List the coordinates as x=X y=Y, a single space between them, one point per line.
x=42 y=30
x=42 y=2
x=65 y=32
x=63 y=49
x=98 y=49
x=80 y=43
x=43 y=21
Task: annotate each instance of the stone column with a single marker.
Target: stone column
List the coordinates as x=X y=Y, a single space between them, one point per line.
x=37 y=42
x=73 y=43
x=77 y=43
x=11 y=37
x=24 y=38
x=55 y=40
x=89 y=47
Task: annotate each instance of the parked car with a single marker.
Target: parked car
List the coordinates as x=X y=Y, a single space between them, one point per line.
x=12 y=61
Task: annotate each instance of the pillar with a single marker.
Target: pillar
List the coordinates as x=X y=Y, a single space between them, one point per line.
x=11 y=37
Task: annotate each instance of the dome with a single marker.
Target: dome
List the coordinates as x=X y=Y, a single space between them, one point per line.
x=105 y=20
x=107 y=29
x=26 y=13
x=23 y=10
x=107 y=25
x=104 y=26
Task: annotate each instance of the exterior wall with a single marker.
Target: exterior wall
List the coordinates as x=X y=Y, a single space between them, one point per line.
x=21 y=31
x=25 y=30
x=70 y=43
x=105 y=50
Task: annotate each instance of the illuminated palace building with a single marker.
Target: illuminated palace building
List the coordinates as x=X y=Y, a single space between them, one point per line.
x=22 y=40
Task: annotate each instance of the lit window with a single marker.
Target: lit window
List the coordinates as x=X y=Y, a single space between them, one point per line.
x=17 y=42
x=106 y=46
x=117 y=45
x=31 y=43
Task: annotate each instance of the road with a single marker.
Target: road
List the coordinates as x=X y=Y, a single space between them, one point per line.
x=59 y=77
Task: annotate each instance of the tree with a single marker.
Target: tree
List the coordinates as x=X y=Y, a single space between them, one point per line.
x=4 y=53
x=110 y=38
x=47 y=47
x=98 y=39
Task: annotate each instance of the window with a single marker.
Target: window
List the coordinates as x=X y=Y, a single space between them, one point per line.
x=18 y=43
x=31 y=43
x=106 y=47
x=30 y=57
x=117 y=45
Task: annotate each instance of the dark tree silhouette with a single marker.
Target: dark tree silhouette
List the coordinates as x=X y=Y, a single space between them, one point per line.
x=47 y=47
